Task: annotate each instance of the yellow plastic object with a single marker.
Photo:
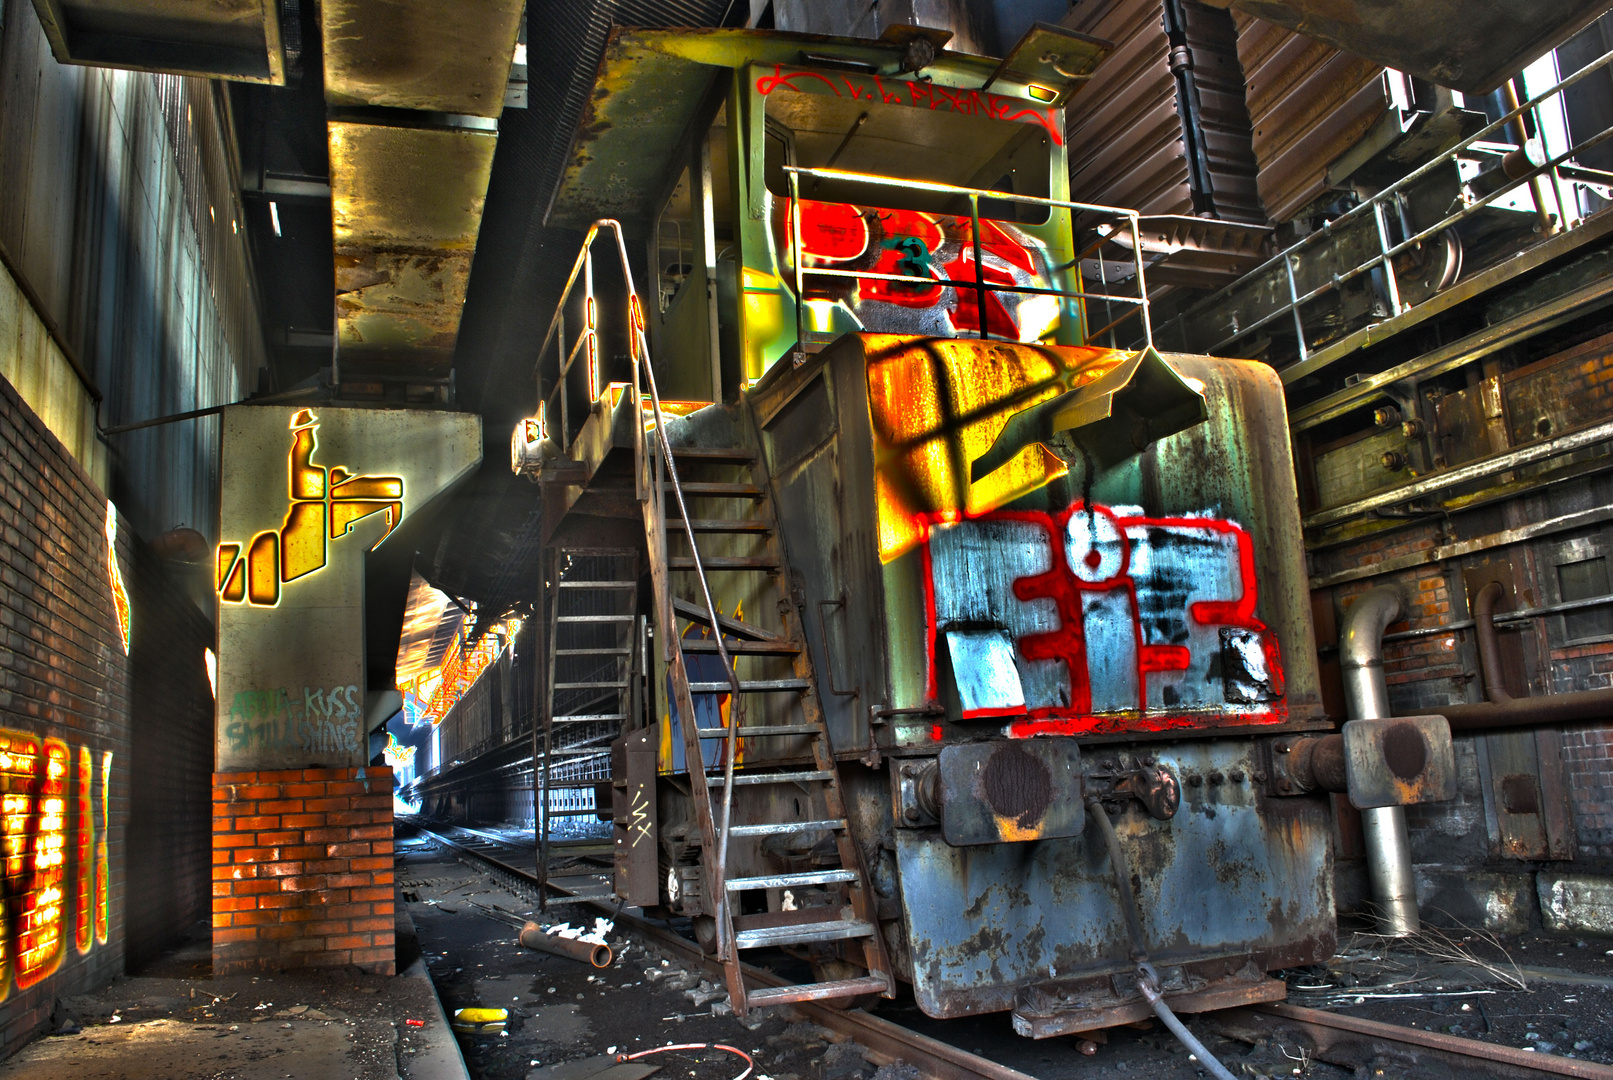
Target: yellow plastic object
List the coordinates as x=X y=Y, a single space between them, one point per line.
x=480 y=1021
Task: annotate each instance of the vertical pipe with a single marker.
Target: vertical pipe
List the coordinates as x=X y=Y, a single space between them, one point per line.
x=1366 y=695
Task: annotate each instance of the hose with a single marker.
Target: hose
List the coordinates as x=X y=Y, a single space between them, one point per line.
x=749 y=1064
x=1147 y=977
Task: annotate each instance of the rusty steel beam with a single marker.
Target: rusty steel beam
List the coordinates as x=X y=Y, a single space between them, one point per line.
x=1352 y=1042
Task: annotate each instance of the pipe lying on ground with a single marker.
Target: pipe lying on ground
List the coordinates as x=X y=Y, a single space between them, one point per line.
x=533 y=937
x=1366 y=694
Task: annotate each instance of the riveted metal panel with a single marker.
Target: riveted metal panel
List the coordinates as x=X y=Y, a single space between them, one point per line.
x=1232 y=875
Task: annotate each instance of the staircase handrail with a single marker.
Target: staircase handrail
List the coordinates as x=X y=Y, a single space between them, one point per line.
x=644 y=376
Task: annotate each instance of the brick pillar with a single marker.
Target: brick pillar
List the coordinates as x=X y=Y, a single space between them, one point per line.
x=302 y=870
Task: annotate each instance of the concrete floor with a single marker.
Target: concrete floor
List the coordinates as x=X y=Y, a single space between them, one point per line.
x=175 y=1021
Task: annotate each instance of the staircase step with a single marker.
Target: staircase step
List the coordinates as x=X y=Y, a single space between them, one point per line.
x=593 y=685
x=580 y=751
x=781 y=827
x=705 y=489
x=840 y=988
x=593 y=652
x=750 y=778
x=723 y=562
x=760 y=731
x=595 y=618
x=751 y=686
x=722 y=525
x=788 y=881
x=589 y=718
x=696 y=613
x=730 y=455
x=599 y=584
x=741 y=648
x=838 y=930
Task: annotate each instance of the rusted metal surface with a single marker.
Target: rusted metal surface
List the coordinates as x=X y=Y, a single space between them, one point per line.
x=651 y=84
x=1308 y=104
x=1200 y=253
x=1370 y=1045
x=1127 y=137
x=450 y=56
x=1399 y=761
x=221 y=39
x=1469 y=45
x=407 y=206
x=533 y=936
x=965 y=578
x=1010 y=791
x=982 y=940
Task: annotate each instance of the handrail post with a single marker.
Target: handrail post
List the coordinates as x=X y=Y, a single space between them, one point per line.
x=795 y=262
x=590 y=327
x=1293 y=305
x=980 y=270
x=1135 y=221
x=1390 y=281
x=560 y=387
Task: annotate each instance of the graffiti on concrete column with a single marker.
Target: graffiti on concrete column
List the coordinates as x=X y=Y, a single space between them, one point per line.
x=1100 y=619
x=326 y=501
x=53 y=825
x=315 y=720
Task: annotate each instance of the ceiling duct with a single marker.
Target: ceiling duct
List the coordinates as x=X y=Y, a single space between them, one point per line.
x=414 y=88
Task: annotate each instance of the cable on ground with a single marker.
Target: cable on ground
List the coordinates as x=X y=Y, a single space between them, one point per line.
x=750 y=1065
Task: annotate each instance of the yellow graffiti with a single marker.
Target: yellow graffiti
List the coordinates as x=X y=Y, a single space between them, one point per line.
x=120 y=595
x=83 y=926
x=937 y=405
x=325 y=504
x=37 y=815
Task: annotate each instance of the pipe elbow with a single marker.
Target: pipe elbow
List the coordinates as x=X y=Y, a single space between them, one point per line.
x=1489 y=645
x=1362 y=641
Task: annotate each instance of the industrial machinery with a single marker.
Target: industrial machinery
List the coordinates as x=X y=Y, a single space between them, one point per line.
x=930 y=636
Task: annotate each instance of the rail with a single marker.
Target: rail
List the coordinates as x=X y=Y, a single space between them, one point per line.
x=654 y=473
x=1347 y=1041
x=980 y=286
x=1391 y=201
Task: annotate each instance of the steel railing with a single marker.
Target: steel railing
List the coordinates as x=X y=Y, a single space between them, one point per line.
x=980 y=286
x=654 y=474
x=1391 y=200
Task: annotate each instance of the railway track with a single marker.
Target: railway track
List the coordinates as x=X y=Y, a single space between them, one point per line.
x=1385 y=1050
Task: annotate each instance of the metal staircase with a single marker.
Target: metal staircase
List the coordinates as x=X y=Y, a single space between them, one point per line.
x=593 y=636
x=828 y=905
x=846 y=907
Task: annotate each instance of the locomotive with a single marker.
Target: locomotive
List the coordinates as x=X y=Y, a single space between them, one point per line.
x=939 y=628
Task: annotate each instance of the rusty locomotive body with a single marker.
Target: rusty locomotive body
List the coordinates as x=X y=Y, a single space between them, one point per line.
x=943 y=586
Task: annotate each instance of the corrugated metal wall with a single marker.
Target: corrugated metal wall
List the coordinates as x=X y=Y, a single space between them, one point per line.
x=118 y=205
x=1126 y=129
x=1308 y=104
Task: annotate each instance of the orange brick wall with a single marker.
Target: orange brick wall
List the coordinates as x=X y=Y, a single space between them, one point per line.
x=302 y=870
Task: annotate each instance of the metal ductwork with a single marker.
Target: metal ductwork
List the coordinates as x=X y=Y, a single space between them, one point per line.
x=221 y=39
x=1366 y=693
x=415 y=88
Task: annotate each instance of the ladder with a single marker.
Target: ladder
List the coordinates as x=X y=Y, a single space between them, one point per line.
x=834 y=906
x=594 y=630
